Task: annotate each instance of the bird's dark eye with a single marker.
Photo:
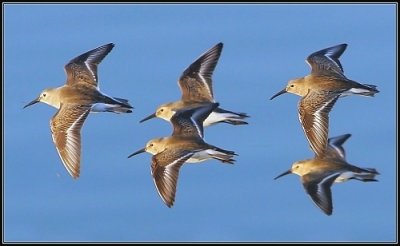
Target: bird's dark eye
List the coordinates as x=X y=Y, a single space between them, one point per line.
x=151 y=145
x=162 y=110
x=292 y=86
x=44 y=94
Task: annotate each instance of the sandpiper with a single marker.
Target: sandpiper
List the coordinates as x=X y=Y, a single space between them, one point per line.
x=318 y=174
x=196 y=87
x=320 y=90
x=74 y=100
x=185 y=145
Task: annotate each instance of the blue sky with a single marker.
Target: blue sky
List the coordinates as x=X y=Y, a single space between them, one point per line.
x=264 y=46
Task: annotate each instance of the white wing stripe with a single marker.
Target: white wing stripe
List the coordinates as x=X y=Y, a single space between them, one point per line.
x=90 y=70
x=197 y=126
x=321 y=184
x=205 y=84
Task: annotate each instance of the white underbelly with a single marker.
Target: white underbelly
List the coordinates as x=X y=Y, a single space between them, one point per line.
x=344 y=177
x=199 y=157
x=216 y=117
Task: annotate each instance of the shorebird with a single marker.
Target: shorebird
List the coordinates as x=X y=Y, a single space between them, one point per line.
x=186 y=144
x=74 y=100
x=320 y=91
x=195 y=84
x=318 y=174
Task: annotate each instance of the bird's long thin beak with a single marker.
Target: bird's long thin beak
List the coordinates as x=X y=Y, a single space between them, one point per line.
x=137 y=152
x=149 y=117
x=283 y=174
x=33 y=102
x=278 y=94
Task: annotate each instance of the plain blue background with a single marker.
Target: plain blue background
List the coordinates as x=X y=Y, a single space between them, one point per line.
x=264 y=46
